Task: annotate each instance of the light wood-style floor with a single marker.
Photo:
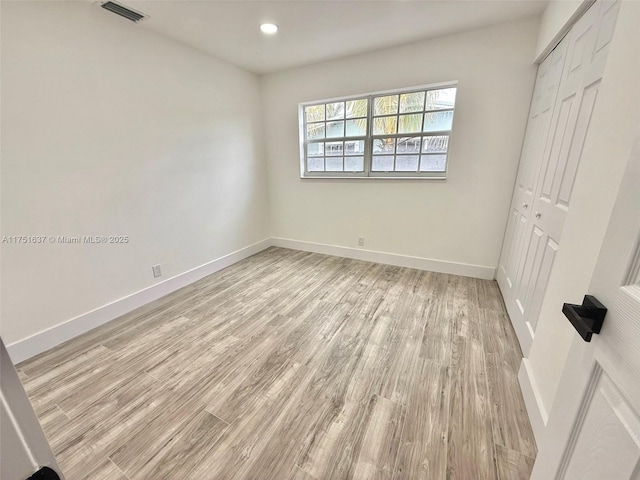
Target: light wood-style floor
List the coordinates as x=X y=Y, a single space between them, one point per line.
x=292 y=365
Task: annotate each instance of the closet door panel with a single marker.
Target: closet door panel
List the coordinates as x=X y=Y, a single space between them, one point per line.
x=516 y=241
x=525 y=182
x=576 y=99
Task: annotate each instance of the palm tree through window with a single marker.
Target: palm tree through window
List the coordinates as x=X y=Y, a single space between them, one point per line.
x=402 y=133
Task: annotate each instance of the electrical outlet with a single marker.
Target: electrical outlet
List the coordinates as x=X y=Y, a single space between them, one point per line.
x=361 y=241
x=156 y=271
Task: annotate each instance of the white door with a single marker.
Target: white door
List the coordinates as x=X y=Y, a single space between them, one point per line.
x=593 y=431
x=540 y=112
x=23 y=447
x=585 y=61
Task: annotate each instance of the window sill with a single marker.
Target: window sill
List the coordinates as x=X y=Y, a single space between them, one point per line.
x=358 y=177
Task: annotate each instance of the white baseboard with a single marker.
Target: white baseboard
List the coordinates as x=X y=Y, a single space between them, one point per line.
x=532 y=400
x=466 y=270
x=47 y=339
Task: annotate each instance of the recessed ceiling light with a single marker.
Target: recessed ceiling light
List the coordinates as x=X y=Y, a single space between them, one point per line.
x=269 y=28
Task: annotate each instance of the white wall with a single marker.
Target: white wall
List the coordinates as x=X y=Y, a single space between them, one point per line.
x=557 y=18
x=615 y=123
x=110 y=129
x=459 y=220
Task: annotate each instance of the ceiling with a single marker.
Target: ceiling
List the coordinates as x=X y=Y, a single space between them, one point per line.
x=313 y=31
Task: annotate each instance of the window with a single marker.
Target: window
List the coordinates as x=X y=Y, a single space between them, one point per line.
x=388 y=134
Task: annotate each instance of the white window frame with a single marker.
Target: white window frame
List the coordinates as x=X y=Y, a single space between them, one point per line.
x=369 y=137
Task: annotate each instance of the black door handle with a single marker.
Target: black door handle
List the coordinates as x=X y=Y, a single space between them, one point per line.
x=45 y=473
x=587 y=318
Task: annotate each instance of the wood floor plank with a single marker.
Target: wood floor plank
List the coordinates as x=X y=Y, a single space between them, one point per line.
x=469 y=319
x=499 y=337
x=53 y=420
x=248 y=382
x=513 y=465
x=180 y=454
x=137 y=453
x=488 y=295
x=100 y=429
x=313 y=411
x=57 y=386
x=22 y=376
x=510 y=426
x=245 y=439
x=399 y=374
x=422 y=452
x=382 y=439
x=436 y=338
x=334 y=448
x=293 y=365
x=103 y=469
x=334 y=453
x=298 y=474
x=46 y=381
x=470 y=440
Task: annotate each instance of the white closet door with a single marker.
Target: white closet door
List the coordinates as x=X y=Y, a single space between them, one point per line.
x=586 y=57
x=542 y=103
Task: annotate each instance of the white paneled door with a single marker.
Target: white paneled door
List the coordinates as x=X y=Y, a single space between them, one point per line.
x=593 y=431
x=543 y=195
x=542 y=103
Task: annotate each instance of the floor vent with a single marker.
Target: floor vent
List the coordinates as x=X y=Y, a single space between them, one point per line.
x=123 y=11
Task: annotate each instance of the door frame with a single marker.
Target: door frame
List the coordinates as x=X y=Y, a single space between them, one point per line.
x=28 y=449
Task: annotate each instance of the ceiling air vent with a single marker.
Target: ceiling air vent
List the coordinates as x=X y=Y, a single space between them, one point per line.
x=123 y=11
